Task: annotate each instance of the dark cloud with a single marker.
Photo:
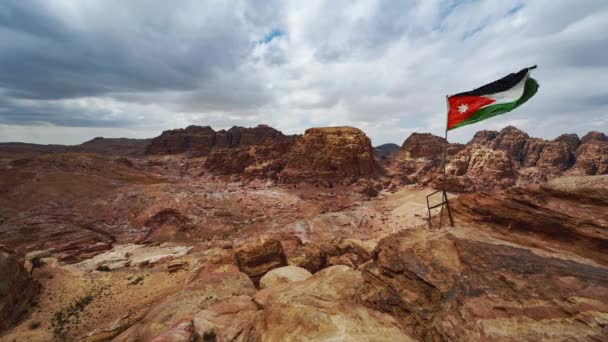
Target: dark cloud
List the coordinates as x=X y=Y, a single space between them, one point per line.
x=142 y=66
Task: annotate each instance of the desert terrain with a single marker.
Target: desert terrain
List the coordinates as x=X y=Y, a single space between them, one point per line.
x=248 y=234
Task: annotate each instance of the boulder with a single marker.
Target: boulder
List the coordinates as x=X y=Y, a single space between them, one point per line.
x=284 y=275
x=255 y=258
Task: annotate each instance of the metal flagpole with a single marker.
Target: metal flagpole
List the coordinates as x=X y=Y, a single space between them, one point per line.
x=444 y=196
x=445 y=161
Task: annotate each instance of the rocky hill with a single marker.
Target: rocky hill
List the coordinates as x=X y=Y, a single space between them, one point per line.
x=499 y=160
x=201 y=140
x=289 y=238
x=99 y=145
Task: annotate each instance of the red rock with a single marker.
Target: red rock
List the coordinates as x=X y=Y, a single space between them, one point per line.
x=330 y=154
x=258 y=257
x=200 y=141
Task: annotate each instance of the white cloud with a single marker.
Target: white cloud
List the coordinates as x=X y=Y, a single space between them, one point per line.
x=382 y=66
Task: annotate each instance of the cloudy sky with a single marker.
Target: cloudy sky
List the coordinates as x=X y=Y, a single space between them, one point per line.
x=72 y=70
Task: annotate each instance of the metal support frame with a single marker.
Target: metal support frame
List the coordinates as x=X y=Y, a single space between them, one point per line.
x=444 y=195
x=444 y=202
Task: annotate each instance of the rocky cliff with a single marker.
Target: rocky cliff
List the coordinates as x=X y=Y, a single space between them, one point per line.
x=200 y=141
x=499 y=160
x=17 y=289
x=330 y=154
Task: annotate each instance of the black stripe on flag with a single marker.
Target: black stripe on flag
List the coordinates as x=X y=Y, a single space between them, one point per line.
x=503 y=84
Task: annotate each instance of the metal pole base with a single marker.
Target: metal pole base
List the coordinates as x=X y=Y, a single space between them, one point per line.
x=444 y=203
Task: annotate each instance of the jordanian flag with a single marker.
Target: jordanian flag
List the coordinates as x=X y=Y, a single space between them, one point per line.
x=492 y=99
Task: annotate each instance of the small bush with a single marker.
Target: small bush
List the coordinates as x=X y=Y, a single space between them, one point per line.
x=36 y=263
x=34 y=325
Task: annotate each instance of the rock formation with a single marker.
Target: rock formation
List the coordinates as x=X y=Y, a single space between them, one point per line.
x=330 y=154
x=17 y=289
x=498 y=160
x=200 y=141
x=384 y=151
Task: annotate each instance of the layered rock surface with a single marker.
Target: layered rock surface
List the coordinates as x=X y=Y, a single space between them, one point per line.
x=330 y=154
x=498 y=160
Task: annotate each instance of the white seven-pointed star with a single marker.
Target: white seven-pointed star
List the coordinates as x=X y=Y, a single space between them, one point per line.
x=463 y=108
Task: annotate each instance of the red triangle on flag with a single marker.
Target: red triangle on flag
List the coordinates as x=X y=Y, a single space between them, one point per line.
x=463 y=107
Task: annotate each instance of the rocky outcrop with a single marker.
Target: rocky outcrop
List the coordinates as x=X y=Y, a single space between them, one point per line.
x=257 y=258
x=510 y=270
x=284 y=275
x=592 y=155
x=17 y=288
x=227 y=320
x=324 y=307
x=265 y=160
x=498 y=160
x=201 y=140
x=384 y=151
x=328 y=155
x=174 y=314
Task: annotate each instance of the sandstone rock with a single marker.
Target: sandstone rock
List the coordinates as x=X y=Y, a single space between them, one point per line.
x=459 y=285
x=206 y=287
x=17 y=289
x=308 y=256
x=591 y=155
x=498 y=160
x=594 y=136
x=228 y=320
x=284 y=275
x=330 y=154
x=182 y=332
x=257 y=258
x=324 y=307
x=367 y=187
x=200 y=141
x=426 y=145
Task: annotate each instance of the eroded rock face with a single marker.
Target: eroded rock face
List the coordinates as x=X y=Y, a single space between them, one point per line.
x=509 y=270
x=423 y=145
x=324 y=307
x=450 y=286
x=173 y=316
x=330 y=154
x=257 y=258
x=17 y=289
x=498 y=160
x=592 y=155
x=228 y=320
x=200 y=141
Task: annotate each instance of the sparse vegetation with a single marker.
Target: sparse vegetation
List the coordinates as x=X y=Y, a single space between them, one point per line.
x=34 y=325
x=37 y=262
x=70 y=315
x=138 y=280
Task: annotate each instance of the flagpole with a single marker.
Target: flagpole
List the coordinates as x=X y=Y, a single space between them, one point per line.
x=445 y=142
x=445 y=161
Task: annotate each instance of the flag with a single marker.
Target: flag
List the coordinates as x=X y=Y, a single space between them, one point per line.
x=492 y=99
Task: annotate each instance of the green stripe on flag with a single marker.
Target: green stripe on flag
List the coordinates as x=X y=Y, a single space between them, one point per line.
x=530 y=89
